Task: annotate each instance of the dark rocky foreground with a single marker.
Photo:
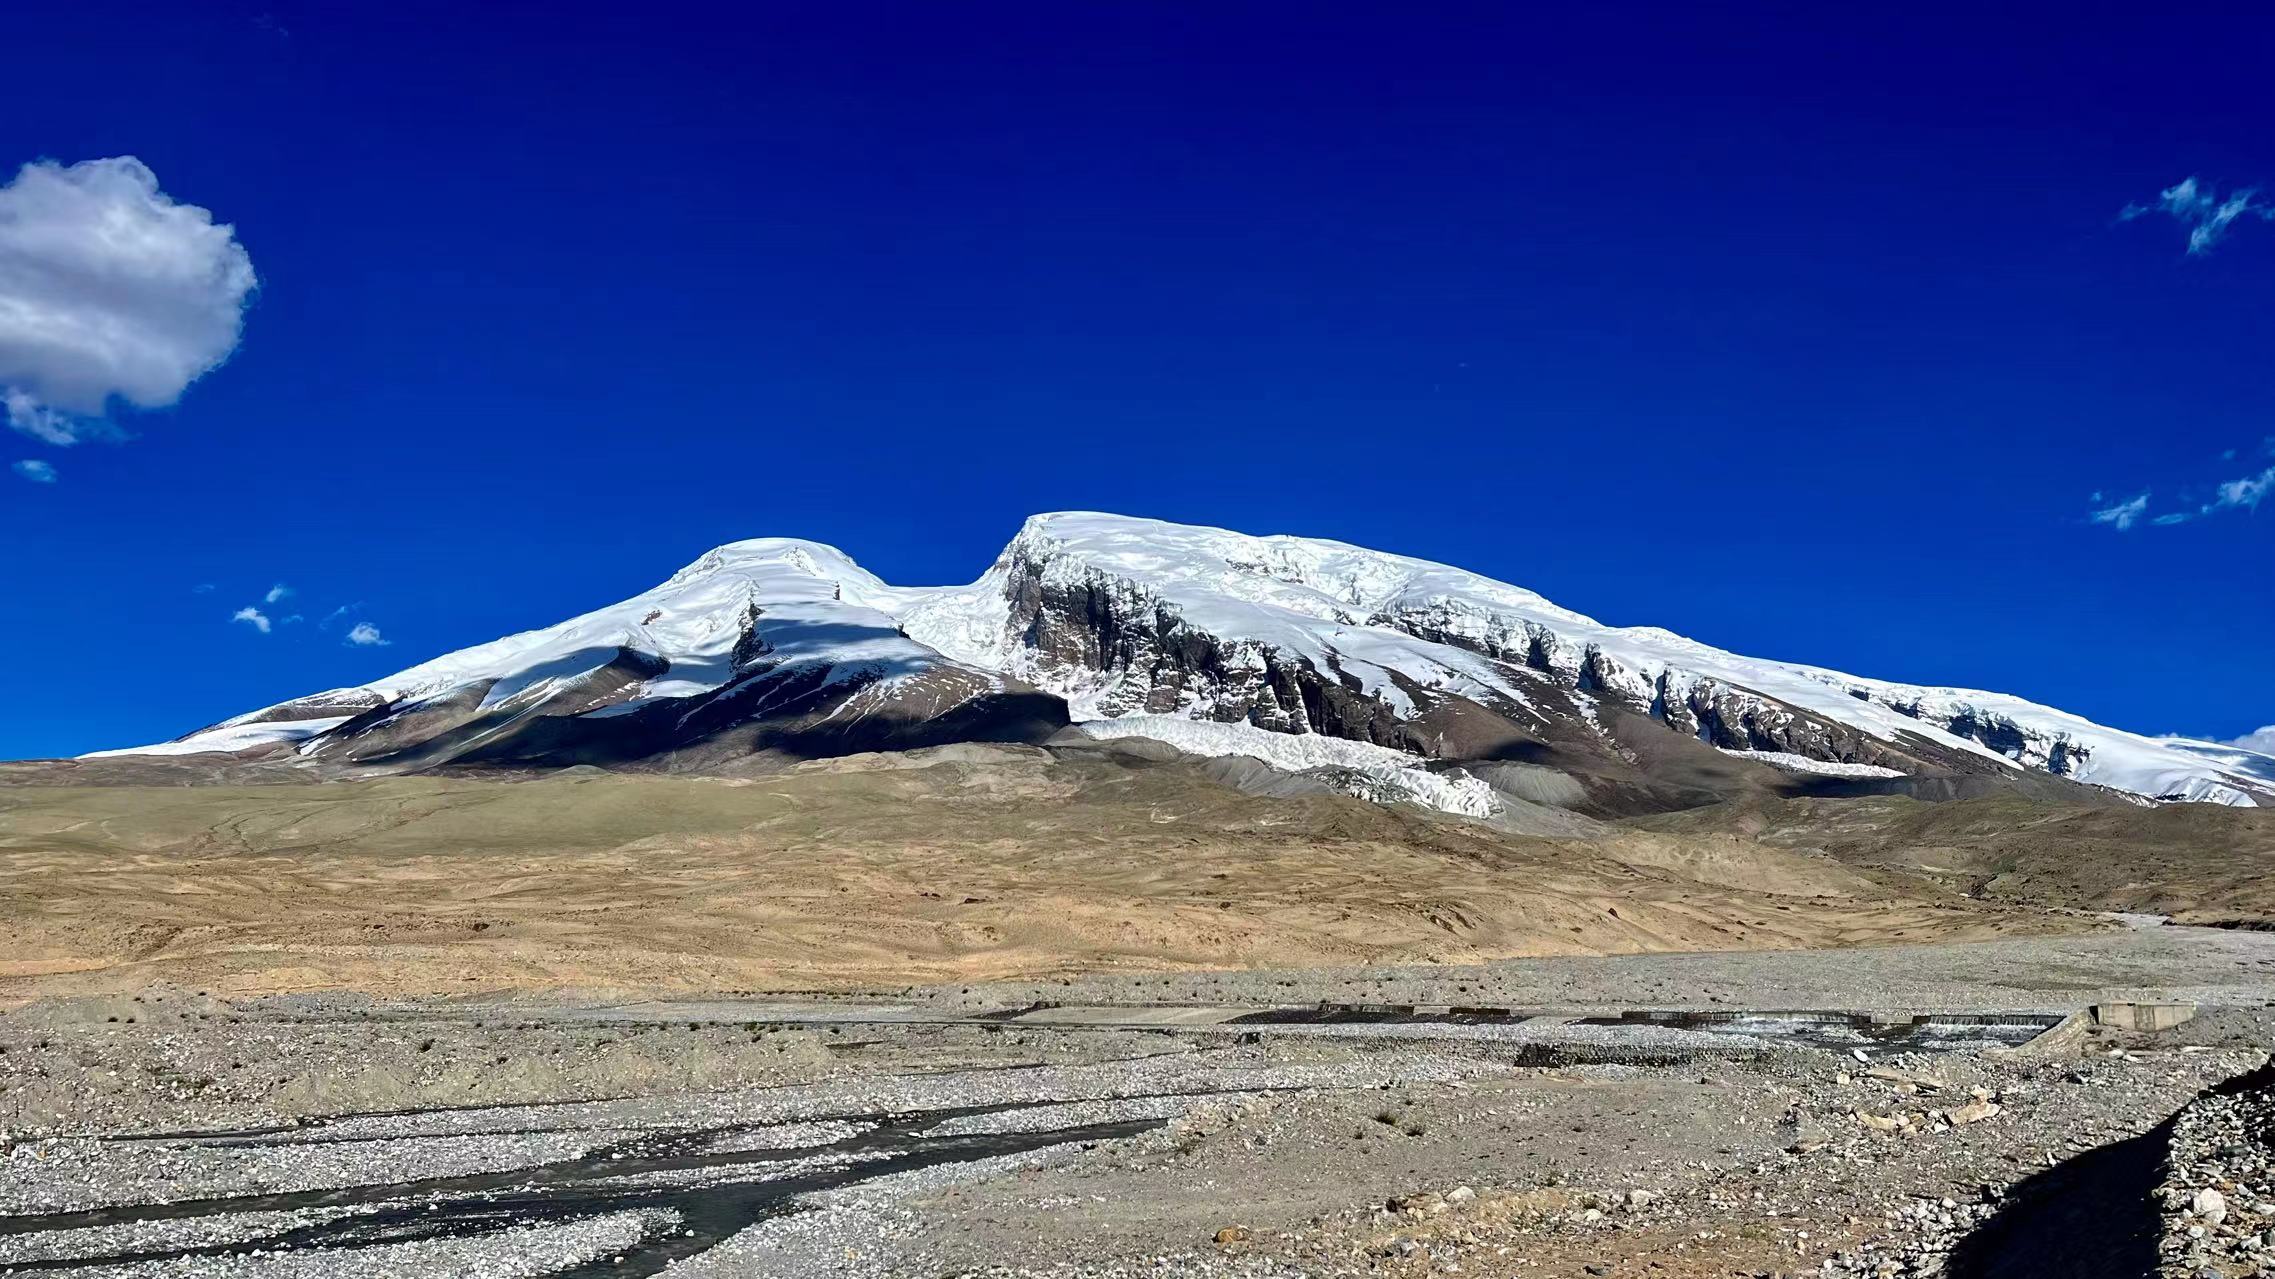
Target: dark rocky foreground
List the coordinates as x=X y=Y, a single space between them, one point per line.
x=2216 y=1183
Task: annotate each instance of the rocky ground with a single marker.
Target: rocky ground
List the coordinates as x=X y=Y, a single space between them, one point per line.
x=176 y=1134
x=2218 y=1188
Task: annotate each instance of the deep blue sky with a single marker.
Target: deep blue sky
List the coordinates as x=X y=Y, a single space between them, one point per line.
x=1807 y=340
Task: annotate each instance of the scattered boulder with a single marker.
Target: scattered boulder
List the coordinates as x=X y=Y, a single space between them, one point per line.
x=1973 y=1112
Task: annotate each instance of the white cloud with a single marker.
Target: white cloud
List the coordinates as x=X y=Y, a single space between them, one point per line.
x=360 y=633
x=108 y=289
x=2247 y=492
x=276 y=592
x=2201 y=209
x=2123 y=514
x=48 y=426
x=2262 y=740
x=37 y=472
x=2244 y=493
x=252 y=617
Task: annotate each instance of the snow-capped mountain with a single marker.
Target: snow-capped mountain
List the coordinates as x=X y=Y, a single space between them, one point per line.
x=1219 y=642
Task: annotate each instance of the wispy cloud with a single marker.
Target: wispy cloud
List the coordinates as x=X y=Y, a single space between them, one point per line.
x=109 y=289
x=2243 y=493
x=2123 y=515
x=346 y=621
x=2200 y=207
x=44 y=424
x=36 y=471
x=2261 y=740
x=2247 y=492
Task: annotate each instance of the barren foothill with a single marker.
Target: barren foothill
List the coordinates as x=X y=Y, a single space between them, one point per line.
x=861 y=873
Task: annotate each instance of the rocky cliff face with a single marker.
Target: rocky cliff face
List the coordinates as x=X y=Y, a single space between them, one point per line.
x=1126 y=651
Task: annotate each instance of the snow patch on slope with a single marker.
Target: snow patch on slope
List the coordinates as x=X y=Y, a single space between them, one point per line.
x=1804 y=764
x=1403 y=776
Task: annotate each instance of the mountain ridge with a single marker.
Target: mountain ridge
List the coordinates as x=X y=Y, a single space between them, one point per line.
x=784 y=644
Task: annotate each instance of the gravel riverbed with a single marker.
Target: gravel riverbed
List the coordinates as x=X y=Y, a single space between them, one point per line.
x=174 y=1134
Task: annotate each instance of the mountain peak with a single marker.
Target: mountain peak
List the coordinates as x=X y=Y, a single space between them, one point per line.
x=758 y=555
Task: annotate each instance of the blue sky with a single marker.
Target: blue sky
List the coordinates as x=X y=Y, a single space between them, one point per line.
x=1809 y=336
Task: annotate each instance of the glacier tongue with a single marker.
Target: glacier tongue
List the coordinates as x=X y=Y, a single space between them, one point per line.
x=1393 y=775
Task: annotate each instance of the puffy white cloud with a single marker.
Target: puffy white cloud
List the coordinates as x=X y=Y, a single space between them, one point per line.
x=2123 y=514
x=360 y=632
x=2202 y=210
x=36 y=471
x=108 y=289
x=2262 y=740
x=252 y=617
x=276 y=592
